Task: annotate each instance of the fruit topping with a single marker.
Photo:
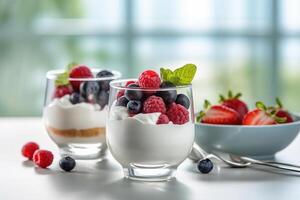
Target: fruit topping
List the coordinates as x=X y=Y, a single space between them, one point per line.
x=67 y=163
x=154 y=104
x=183 y=100
x=282 y=113
x=134 y=107
x=205 y=166
x=163 y=119
x=104 y=73
x=217 y=114
x=76 y=97
x=61 y=91
x=234 y=102
x=133 y=94
x=43 y=158
x=122 y=101
x=178 y=114
x=169 y=96
x=89 y=90
x=181 y=76
x=149 y=79
x=80 y=71
x=28 y=149
x=102 y=98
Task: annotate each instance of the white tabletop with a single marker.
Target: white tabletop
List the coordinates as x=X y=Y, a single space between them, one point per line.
x=19 y=179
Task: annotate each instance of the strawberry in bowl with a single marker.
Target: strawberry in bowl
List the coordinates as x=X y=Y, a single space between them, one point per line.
x=260 y=132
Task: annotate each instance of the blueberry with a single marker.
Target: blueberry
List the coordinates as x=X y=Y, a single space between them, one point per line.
x=133 y=94
x=183 y=100
x=104 y=85
x=67 y=163
x=122 y=101
x=76 y=98
x=205 y=166
x=168 y=96
x=89 y=90
x=104 y=73
x=102 y=98
x=134 y=107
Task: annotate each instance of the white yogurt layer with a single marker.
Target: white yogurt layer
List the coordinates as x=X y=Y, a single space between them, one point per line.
x=138 y=140
x=62 y=114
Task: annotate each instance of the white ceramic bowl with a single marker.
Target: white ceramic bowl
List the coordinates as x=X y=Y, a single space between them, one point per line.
x=253 y=141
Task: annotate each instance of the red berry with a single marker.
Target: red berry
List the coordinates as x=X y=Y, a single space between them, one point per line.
x=129 y=82
x=163 y=119
x=61 y=91
x=149 y=79
x=284 y=114
x=29 y=148
x=178 y=114
x=154 y=104
x=80 y=72
x=43 y=158
x=233 y=102
x=219 y=114
x=258 y=117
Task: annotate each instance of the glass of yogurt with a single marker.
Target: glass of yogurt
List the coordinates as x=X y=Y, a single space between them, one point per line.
x=150 y=131
x=75 y=110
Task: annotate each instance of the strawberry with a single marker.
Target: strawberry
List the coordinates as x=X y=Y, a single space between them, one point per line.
x=234 y=102
x=218 y=114
x=262 y=116
x=281 y=112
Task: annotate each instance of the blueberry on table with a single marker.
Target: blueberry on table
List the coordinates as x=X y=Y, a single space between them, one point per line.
x=134 y=107
x=169 y=96
x=183 y=100
x=102 y=98
x=205 y=166
x=104 y=73
x=89 y=89
x=122 y=101
x=76 y=98
x=67 y=163
x=133 y=94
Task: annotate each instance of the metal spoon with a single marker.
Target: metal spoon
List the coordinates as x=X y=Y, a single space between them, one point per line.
x=277 y=165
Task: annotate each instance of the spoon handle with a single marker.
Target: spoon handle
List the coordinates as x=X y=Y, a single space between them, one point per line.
x=278 y=165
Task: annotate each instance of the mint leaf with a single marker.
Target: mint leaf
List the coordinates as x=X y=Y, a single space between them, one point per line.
x=62 y=79
x=71 y=65
x=181 y=76
x=185 y=74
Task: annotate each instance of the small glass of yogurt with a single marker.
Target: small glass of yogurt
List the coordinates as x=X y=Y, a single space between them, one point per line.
x=75 y=110
x=150 y=131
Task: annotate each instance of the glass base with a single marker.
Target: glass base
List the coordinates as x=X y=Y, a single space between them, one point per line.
x=83 y=151
x=149 y=172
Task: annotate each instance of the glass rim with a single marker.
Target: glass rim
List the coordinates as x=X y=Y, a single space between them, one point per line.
x=113 y=84
x=52 y=74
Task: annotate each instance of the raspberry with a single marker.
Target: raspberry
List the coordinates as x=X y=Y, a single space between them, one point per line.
x=43 y=158
x=61 y=91
x=129 y=82
x=163 y=119
x=80 y=72
x=29 y=148
x=178 y=114
x=149 y=79
x=154 y=104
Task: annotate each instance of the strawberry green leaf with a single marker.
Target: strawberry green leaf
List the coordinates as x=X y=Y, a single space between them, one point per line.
x=260 y=105
x=278 y=102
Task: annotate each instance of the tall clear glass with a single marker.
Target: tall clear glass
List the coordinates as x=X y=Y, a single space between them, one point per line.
x=147 y=149
x=76 y=120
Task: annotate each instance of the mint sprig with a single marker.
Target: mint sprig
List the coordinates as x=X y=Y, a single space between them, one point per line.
x=181 y=76
x=63 y=78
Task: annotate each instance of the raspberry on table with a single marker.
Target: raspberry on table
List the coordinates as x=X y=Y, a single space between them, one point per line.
x=154 y=104
x=43 y=158
x=80 y=72
x=178 y=114
x=149 y=79
x=163 y=119
x=28 y=149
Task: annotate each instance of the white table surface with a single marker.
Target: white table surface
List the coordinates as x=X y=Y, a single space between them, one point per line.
x=19 y=179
